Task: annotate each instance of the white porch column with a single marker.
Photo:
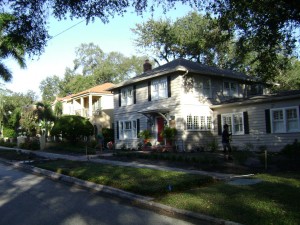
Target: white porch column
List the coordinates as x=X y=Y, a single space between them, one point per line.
x=81 y=106
x=90 y=106
x=73 y=107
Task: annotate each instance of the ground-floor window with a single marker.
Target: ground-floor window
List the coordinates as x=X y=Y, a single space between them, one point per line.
x=285 y=120
x=127 y=129
x=198 y=122
x=235 y=122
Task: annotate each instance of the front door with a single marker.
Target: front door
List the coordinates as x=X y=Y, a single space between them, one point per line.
x=160 y=126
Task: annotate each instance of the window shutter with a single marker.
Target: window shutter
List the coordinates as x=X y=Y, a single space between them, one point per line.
x=149 y=91
x=268 y=121
x=137 y=127
x=219 y=124
x=117 y=122
x=119 y=97
x=169 y=86
x=134 y=94
x=246 y=122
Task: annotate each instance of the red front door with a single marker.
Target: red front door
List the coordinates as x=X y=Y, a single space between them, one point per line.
x=160 y=127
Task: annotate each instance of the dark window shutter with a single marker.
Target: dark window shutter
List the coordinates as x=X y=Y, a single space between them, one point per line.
x=268 y=121
x=137 y=127
x=169 y=86
x=119 y=97
x=149 y=91
x=117 y=122
x=219 y=124
x=246 y=122
x=134 y=94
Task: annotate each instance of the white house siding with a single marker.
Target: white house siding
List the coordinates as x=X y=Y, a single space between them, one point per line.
x=131 y=112
x=258 y=136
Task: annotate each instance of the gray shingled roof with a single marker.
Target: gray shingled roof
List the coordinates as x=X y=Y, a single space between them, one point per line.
x=184 y=65
x=278 y=96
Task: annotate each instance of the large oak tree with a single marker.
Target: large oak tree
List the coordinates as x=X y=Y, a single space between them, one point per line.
x=265 y=27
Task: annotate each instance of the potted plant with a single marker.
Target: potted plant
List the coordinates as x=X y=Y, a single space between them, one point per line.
x=169 y=134
x=146 y=135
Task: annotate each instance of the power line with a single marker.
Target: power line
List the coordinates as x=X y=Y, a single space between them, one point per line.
x=67 y=29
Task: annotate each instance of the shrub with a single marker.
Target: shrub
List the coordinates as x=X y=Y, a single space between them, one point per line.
x=9 y=132
x=31 y=145
x=292 y=150
x=72 y=127
x=213 y=145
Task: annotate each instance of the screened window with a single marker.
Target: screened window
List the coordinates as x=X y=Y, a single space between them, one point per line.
x=202 y=86
x=127 y=129
x=127 y=96
x=230 y=89
x=285 y=120
x=235 y=122
x=159 y=89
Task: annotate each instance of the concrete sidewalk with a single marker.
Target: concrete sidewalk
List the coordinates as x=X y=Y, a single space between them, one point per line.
x=96 y=159
x=141 y=201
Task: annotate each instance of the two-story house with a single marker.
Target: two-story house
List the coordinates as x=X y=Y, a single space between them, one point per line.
x=95 y=103
x=198 y=100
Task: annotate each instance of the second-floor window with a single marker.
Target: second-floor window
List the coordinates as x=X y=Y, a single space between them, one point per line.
x=159 y=89
x=127 y=96
x=202 y=86
x=230 y=89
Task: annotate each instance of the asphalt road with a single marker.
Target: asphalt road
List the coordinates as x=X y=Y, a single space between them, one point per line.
x=28 y=199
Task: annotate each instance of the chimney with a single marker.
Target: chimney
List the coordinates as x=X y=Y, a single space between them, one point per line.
x=147 y=65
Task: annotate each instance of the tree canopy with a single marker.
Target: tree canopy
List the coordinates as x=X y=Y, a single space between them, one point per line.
x=266 y=27
x=92 y=67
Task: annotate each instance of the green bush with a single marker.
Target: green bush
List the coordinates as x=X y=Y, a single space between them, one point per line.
x=72 y=127
x=9 y=132
x=7 y=144
x=31 y=145
x=292 y=150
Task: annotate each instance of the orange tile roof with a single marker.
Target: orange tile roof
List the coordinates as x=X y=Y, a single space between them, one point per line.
x=97 y=89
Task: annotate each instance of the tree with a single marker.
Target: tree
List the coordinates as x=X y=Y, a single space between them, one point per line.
x=91 y=67
x=289 y=79
x=194 y=37
x=265 y=27
x=49 y=88
x=72 y=127
x=106 y=67
x=10 y=46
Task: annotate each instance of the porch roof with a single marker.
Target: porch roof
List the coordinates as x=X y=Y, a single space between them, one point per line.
x=154 y=109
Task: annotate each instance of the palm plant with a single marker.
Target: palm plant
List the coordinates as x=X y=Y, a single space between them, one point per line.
x=10 y=46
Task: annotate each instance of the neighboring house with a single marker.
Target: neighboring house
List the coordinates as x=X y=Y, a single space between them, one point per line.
x=95 y=103
x=198 y=100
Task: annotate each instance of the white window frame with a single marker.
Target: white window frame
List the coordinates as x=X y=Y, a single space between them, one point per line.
x=127 y=96
x=196 y=122
x=202 y=86
x=229 y=91
x=127 y=129
x=159 y=88
x=236 y=127
x=284 y=120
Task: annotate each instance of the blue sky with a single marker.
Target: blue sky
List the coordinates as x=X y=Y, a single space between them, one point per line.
x=60 y=51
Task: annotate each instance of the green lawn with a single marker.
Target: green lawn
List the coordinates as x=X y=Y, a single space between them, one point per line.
x=273 y=201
